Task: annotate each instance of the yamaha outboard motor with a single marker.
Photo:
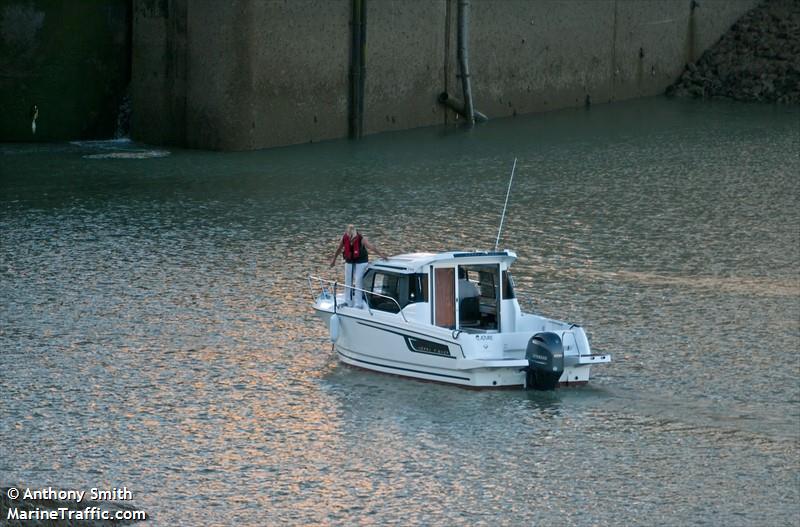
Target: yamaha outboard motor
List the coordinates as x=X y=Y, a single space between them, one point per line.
x=545 y=354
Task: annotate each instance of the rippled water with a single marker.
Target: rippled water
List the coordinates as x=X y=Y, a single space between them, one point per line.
x=156 y=331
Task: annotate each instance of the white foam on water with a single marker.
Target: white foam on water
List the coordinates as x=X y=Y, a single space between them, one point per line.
x=145 y=154
x=122 y=148
x=104 y=144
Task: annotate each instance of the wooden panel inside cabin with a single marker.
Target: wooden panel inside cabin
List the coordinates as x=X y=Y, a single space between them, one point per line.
x=445 y=297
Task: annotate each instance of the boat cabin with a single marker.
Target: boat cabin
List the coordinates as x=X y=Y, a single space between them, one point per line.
x=465 y=291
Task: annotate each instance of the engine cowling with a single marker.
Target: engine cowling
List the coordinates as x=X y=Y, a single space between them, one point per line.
x=545 y=355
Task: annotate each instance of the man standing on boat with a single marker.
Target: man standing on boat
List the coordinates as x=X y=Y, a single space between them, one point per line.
x=354 y=248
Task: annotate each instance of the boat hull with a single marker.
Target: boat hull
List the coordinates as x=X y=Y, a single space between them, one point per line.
x=357 y=366
x=365 y=340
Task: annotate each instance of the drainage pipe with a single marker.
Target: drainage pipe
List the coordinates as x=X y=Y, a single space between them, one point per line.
x=458 y=107
x=463 y=59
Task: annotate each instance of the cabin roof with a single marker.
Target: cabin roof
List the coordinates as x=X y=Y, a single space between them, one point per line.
x=412 y=262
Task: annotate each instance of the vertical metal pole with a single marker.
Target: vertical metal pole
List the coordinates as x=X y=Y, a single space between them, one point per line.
x=692 y=30
x=355 y=69
x=355 y=50
x=362 y=66
x=614 y=72
x=447 y=15
x=463 y=59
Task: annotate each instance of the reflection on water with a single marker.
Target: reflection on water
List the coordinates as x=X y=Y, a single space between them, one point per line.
x=156 y=329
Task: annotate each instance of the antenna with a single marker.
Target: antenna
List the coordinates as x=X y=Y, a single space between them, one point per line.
x=497 y=241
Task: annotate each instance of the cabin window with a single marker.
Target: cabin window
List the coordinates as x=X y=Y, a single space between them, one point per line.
x=478 y=297
x=386 y=285
x=404 y=288
x=418 y=288
x=508 y=285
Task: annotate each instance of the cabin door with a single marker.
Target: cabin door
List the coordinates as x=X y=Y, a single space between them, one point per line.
x=444 y=300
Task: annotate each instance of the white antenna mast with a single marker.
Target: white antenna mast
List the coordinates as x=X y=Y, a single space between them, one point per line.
x=497 y=241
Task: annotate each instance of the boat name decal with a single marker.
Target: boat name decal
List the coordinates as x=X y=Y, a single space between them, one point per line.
x=426 y=346
x=545 y=357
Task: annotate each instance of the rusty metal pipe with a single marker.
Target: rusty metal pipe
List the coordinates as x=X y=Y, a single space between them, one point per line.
x=458 y=107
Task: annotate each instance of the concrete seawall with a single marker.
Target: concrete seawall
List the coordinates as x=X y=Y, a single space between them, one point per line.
x=255 y=74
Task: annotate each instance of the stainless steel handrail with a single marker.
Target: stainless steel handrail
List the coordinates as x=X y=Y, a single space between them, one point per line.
x=337 y=284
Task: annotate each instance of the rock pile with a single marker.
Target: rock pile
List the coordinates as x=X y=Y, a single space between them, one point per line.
x=758 y=59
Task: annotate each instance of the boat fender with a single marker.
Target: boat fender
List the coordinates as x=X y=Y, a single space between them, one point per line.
x=333 y=326
x=545 y=355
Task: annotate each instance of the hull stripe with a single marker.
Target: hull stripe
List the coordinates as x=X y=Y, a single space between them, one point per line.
x=403 y=369
x=378 y=325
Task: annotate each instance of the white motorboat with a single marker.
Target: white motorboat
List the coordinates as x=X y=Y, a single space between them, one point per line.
x=452 y=317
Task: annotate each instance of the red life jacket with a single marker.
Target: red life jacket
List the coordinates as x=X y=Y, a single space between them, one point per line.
x=352 y=247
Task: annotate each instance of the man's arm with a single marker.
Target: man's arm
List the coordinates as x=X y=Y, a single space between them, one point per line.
x=337 y=253
x=373 y=248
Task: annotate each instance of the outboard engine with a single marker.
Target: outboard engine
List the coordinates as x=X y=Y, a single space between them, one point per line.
x=545 y=355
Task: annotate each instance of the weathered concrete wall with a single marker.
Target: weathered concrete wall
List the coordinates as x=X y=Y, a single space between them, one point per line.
x=300 y=84
x=71 y=59
x=255 y=74
x=536 y=56
x=405 y=64
x=241 y=75
x=158 y=76
x=655 y=39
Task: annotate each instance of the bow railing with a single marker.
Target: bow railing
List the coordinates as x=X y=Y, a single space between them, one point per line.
x=336 y=285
